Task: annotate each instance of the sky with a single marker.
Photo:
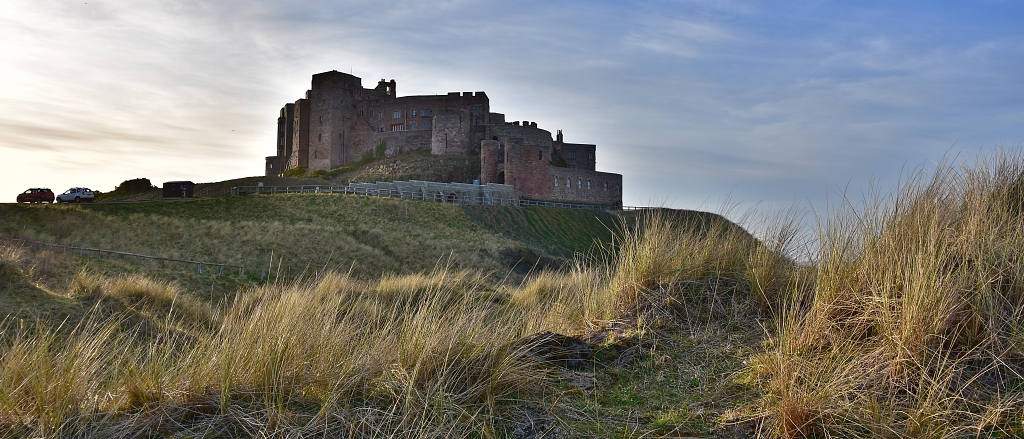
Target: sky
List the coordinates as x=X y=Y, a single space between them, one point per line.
x=697 y=103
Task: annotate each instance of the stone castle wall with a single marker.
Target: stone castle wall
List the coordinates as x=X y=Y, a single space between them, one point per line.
x=526 y=168
x=300 y=139
x=490 y=155
x=584 y=186
x=340 y=122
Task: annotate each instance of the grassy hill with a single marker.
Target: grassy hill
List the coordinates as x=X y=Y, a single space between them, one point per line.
x=382 y=244
x=905 y=324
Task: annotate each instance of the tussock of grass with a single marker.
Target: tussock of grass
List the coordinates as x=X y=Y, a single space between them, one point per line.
x=910 y=327
x=424 y=356
x=158 y=301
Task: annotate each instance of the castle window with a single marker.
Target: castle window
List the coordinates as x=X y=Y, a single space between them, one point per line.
x=426 y=126
x=380 y=115
x=360 y=113
x=606 y=186
x=591 y=156
x=397 y=127
x=568 y=182
x=477 y=109
x=556 y=181
x=572 y=155
x=579 y=183
x=320 y=137
x=413 y=113
x=396 y=115
x=540 y=155
x=588 y=184
x=426 y=112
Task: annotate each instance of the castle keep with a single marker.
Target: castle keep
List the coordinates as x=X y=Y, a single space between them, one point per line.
x=339 y=122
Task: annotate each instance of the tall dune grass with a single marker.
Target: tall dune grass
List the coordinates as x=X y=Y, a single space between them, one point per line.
x=418 y=356
x=908 y=322
x=911 y=326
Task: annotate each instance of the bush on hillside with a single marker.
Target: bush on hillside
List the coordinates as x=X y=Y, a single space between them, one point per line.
x=135 y=185
x=296 y=172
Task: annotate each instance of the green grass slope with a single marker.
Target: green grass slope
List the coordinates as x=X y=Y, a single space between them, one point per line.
x=567 y=232
x=310 y=232
x=300 y=232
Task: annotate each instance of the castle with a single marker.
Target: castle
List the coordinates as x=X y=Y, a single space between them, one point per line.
x=339 y=122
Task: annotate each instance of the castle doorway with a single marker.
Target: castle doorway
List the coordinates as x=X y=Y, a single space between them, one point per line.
x=500 y=178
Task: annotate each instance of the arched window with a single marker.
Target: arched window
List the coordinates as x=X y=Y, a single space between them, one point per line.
x=579 y=183
x=588 y=184
x=556 y=181
x=606 y=186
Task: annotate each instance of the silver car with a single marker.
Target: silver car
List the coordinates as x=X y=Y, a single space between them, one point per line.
x=76 y=195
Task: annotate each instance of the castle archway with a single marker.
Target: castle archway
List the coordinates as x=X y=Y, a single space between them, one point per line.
x=500 y=178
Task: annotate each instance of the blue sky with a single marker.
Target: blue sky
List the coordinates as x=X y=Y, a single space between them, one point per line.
x=692 y=101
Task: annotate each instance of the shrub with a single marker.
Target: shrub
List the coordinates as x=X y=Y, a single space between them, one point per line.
x=135 y=185
x=296 y=172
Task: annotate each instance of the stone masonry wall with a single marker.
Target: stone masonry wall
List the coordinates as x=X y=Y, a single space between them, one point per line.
x=275 y=165
x=404 y=141
x=526 y=168
x=489 y=153
x=451 y=131
x=300 y=139
x=530 y=134
x=584 y=186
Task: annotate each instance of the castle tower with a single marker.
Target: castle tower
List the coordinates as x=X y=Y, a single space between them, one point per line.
x=300 y=139
x=490 y=153
x=526 y=167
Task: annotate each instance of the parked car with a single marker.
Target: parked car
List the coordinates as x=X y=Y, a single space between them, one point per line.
x=36 y=195
x=76 y=195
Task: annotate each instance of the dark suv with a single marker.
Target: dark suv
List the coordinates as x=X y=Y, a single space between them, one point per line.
x=36 y=195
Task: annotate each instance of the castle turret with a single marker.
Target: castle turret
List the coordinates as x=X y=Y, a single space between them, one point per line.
x=490 y=153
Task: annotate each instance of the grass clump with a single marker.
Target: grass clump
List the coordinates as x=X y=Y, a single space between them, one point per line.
x=911 y=324
x=424 y=356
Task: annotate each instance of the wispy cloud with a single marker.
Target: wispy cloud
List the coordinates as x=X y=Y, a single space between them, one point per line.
x=690 y=99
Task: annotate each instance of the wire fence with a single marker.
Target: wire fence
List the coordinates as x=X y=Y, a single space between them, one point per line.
x=83 y=251
x=454 y=197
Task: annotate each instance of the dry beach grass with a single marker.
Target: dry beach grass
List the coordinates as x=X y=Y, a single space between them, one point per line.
x=905 y=323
